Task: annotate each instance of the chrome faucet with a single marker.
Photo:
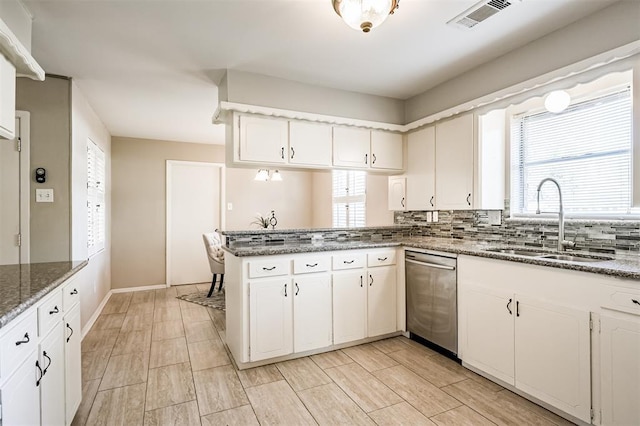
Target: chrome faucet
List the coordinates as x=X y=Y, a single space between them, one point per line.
x=562 y=243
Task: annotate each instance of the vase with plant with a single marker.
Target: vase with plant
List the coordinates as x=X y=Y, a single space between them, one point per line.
x=261 y=221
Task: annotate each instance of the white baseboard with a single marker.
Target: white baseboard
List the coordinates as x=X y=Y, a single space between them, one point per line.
x=98 y=311
x=141 y=288
x=96 y=314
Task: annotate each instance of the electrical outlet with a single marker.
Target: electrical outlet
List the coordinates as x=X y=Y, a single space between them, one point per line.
x=229 y=206
x=435 y=216
x=429 y=217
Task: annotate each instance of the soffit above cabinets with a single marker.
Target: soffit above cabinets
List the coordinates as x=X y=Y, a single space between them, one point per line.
x=18 y=55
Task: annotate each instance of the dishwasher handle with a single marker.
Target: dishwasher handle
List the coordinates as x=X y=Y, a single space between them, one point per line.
x=432 y=265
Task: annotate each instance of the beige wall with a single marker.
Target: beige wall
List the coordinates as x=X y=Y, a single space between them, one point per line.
x=138 y=170
x=49 y=103
x=291 y=199
x=257 y=89
x=607 y=29
x=95 y=278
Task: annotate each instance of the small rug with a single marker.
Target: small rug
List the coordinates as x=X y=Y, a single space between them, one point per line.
x=216 y=300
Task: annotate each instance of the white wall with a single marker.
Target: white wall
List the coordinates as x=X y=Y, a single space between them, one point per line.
x=602 y=31
x=95 y=279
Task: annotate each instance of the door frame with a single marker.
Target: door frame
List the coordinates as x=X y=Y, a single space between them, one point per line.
x=24 y=133
x=169 y=175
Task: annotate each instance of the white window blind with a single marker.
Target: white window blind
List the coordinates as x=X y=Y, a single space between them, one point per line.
x=349 y=197
x=96 y=223
x=586 y=148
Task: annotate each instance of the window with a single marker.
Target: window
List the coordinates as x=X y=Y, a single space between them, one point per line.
x=95 y=198
x=349 y=189
x=587 y=148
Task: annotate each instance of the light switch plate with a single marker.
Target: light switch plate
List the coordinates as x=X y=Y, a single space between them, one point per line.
x=44 y=195
x=435 y=216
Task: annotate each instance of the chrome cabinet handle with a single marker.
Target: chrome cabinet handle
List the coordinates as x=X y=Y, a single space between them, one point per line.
x=25 y=340
x=509 y=307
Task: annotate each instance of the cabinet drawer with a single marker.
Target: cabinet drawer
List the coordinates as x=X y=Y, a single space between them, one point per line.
x=268 y=268
x=623 y=300
x=308 y=264
x=348 y=261
x=70 y=294
x=381 y=258
x=49 y=313
x=17 y=344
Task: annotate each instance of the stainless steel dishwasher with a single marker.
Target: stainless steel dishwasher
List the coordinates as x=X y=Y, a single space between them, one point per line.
x=432 y=307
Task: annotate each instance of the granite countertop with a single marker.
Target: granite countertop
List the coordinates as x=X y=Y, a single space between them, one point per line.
x=21 y=286
x=623 y=266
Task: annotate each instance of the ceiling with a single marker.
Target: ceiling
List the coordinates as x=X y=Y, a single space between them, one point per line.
x=150 y=68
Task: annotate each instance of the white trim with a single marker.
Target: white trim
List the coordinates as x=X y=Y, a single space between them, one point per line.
x=96 y=314
x=24 y=132
x=512 y=94
x=221 y=213
x=19 y=56
x=141 y=288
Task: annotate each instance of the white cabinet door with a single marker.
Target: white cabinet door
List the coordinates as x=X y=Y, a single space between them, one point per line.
x=312 y=325
x=21 y=394
x=270 y=313
x=73 y=361
x=52 y=386
x=396 y=193
x=8 y=98
x=486 y=330
x=381 y=300
x=309 y=144
x=386 y=150
x=620 y=370
x=351 y=147
x=454 y=159
x=552 y=355
x=263 y=140
x=421 y=170
x=349 y=306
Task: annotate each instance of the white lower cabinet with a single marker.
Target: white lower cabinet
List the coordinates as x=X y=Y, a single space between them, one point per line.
x=381 y=300
x=620 y=370
x=21 y=394
x=73 y=361
x=52 y=384
x=271 y=318
x=45 y=386
x=530 y=342
x=312 y=326
x=349 y=306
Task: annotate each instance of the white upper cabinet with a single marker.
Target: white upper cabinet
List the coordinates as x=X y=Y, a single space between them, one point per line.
x=263 y=140
x=421 y=170
x=351 y=147
x=386 y=150
x=7 y=98
x=455 y=160
x=397 y=193
x=309 y=144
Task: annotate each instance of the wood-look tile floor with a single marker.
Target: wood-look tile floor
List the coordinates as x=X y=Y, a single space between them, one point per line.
x=152 y=359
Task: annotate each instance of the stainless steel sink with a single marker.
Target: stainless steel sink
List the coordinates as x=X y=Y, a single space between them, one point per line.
x=570 y=258
x=516 y=252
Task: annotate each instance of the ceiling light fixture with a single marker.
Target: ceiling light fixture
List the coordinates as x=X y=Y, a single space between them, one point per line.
x=364 y=14
x=263 y=176
x=557 y=101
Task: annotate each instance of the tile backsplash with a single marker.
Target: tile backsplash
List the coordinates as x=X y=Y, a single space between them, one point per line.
x=589 y=235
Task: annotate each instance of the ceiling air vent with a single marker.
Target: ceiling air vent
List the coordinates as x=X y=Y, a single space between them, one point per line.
x=478 y=13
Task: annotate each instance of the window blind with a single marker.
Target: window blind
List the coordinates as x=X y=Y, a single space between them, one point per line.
x=349 y=198
x=586 y=148
x=96 y=222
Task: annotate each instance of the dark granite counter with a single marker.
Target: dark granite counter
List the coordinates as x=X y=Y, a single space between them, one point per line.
x=623 y=266
x=21 y=286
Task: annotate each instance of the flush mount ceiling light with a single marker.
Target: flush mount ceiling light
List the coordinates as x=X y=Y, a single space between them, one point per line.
x=364 y=14
x=557 y=101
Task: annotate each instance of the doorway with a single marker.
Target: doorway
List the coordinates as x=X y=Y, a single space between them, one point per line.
x=14 y=194
x=195 y=195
